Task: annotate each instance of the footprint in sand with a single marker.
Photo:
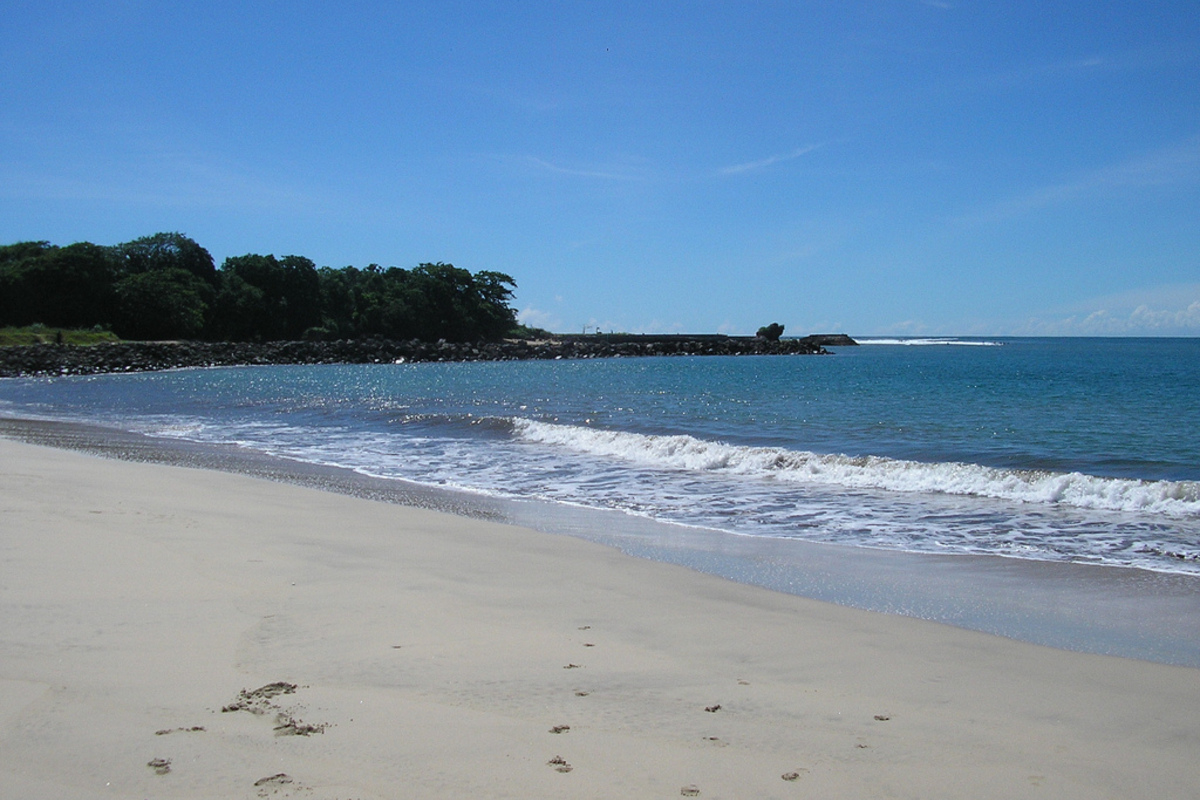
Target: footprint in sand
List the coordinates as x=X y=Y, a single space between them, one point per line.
x=277 y=779
x=272 y=784
x=560 y=729
x=193 y=729
x=691 y=790
x=161 y=766
x=258 y=701
x=287 y=725
x=560 y=764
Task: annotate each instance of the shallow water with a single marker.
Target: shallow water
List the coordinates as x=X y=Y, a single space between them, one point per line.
x=1116 y=611
x=1055 y=450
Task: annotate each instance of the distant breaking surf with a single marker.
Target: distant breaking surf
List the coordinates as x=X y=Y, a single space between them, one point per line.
x=947 y=341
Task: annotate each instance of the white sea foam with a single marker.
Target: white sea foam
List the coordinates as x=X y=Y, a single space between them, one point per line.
x=1169 y=498
x=933 y=342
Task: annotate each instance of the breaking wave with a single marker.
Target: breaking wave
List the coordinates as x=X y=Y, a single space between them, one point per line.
x=933 y=342
x=1076 y=490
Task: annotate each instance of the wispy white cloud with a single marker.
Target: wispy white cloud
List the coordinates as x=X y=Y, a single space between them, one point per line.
x=603 y=173
x=1172 y=165
x=177 y=180
x=1029 y=73
x=751 y=166
x=1095 y=65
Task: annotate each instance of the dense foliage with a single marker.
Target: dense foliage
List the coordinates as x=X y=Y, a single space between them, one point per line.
x=166 y=286
x=770 y=332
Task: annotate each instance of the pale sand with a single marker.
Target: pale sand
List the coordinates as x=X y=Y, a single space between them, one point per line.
x=432 y=654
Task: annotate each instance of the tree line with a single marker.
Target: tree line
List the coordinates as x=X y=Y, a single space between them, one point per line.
x=166 y=286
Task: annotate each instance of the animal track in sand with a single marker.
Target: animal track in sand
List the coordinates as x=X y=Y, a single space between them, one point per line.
x=691 y=790
x=882 y=717
x=573 y=666
x=161 y=766
x=713 y=709
x=560 y=729
x=193 y=729
x=794 y=775
x=560 y=764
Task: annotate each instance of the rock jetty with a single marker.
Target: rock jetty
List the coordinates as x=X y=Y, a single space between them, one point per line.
x=57 y=359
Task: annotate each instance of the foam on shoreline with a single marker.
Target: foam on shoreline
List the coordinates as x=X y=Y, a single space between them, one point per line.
x=1115 y=611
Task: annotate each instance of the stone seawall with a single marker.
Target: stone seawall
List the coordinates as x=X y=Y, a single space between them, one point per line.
x=53 y=359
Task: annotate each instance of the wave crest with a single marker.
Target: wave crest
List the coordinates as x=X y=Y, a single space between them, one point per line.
x=932 y=342
x=1171 y=498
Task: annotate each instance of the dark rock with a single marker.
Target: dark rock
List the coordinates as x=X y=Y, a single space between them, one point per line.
x=831 y=340
x=57 y=359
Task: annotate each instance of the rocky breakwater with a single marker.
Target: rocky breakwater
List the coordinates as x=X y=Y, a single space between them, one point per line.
x=56 y=359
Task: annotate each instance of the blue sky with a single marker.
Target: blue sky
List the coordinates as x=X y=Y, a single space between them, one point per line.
x=887 y=167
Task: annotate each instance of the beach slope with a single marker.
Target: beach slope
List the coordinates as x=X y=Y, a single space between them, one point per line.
x=178 y=633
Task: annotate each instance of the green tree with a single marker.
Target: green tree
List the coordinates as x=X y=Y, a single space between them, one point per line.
x=169 y=303
x=451 y=303
x=67 y=287
x=237 y=310
x=286 y=301
x=165 y=286
x=496 y=317
x=166 y=251
x=770 y=332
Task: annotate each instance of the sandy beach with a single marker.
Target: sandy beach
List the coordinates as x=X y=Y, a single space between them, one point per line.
x=171 y=632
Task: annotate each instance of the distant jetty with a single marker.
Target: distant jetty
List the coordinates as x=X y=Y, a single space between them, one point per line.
x=56 y=359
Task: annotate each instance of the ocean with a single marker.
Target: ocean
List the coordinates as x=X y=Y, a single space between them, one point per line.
x=1038 y=450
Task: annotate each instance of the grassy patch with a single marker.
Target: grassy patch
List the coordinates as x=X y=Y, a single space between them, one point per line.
x=40 y=334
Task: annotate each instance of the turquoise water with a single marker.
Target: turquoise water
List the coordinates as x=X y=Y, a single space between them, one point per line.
x=1067 y=450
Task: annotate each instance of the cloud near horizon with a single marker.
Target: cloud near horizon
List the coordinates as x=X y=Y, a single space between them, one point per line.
x=1163 y=311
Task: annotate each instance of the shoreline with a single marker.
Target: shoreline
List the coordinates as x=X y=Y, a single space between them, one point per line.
x=398 y=651
x=1127 y=612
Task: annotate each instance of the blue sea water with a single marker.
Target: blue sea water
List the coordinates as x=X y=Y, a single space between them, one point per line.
x=1065 y=450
